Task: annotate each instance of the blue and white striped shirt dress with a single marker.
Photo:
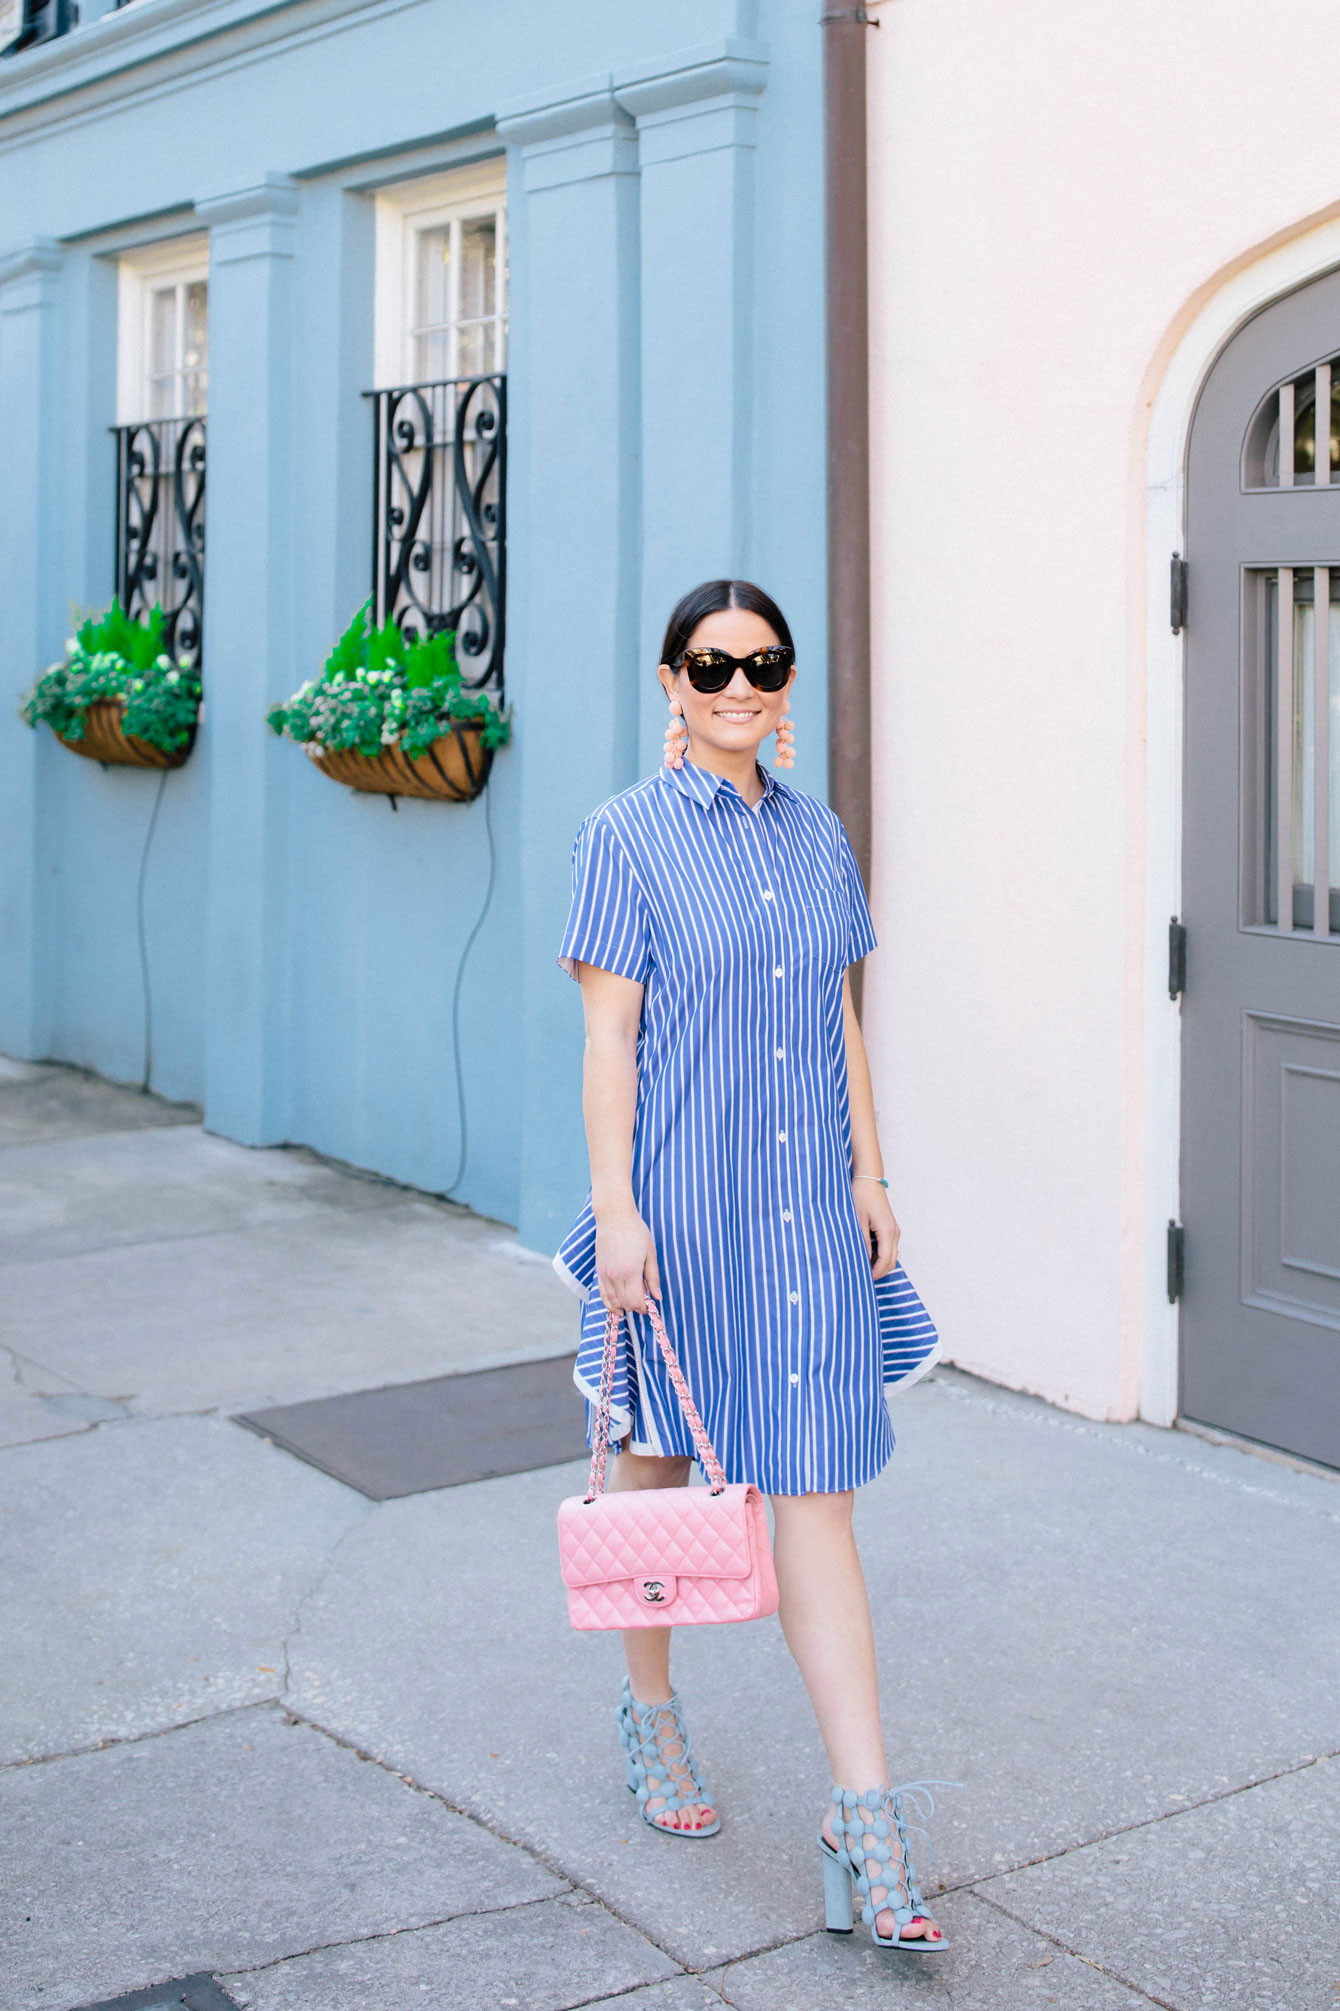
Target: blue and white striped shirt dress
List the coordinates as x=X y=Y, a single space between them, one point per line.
x=740 y=923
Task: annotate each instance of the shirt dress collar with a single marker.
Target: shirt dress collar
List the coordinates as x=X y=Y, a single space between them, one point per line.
x=704 y=787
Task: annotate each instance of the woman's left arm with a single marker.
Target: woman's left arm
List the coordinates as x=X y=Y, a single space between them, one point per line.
x=872 y=1201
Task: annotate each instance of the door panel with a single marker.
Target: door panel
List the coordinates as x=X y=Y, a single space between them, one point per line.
x=1291 y=1161
x=1261 y=1011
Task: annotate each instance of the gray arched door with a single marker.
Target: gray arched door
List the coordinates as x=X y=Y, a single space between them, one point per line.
x=1261 y=900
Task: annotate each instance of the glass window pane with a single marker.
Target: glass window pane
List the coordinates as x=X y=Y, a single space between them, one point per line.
x=432 y=278
x=163 y=331
x=474 y=345
x=479 y=259
x=195 y=348
x=431 y=358
x=1304 y=756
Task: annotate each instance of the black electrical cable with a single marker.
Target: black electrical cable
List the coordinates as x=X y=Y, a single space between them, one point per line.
x=456 y=1002
x=139 y=928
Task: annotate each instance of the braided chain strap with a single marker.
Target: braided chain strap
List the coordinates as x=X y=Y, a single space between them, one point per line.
x=716 y=1478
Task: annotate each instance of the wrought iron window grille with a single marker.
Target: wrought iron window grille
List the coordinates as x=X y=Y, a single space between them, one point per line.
x=160 y=526
x=43 y=21
x=439 y=542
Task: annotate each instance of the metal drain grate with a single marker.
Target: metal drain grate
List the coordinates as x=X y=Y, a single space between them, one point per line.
x=410 y=1437
x=187 y=1993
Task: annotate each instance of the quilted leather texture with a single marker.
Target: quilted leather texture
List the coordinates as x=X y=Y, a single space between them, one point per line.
x=709 y=1553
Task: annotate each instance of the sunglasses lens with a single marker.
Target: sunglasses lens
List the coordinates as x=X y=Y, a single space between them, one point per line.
x=768 y=669
x=708 y=669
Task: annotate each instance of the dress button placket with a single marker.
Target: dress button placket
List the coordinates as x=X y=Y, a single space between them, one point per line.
x=773 y=925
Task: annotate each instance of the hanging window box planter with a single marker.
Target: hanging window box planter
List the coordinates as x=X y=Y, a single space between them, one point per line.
x=105 y=739
x=119 y=698
x=392 y=716
x=452 y=768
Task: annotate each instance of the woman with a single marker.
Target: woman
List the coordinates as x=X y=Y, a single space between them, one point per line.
x=736 y=1178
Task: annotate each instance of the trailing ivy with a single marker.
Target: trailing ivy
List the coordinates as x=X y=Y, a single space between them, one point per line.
x=113 y=656
x=378 y=690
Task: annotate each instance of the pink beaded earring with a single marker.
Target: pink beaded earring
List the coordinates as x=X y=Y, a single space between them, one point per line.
x=676 y=737
x=785 y=757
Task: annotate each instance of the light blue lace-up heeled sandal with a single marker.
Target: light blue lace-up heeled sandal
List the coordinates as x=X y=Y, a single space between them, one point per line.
x=659 y=1762
x=867 y=1825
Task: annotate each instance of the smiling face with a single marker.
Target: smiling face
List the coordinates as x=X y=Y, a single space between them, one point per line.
x=738 y=719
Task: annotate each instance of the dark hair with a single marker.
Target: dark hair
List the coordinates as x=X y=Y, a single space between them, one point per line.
x=712 y=597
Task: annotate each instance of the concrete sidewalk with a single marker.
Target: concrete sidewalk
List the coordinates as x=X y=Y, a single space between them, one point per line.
x=350 y=1757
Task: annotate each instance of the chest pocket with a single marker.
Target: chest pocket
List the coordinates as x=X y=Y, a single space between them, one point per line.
x=822 y=914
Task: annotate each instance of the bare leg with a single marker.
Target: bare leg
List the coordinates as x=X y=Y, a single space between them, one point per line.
x=825 y=1617
x=647 y=1649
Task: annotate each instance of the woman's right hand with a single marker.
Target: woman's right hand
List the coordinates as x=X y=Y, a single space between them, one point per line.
x=626 y=1262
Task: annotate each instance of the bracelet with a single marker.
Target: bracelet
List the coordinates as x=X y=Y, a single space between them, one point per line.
x=872 y=1176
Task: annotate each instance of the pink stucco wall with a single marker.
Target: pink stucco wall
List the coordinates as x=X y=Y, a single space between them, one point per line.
x=1057 y=190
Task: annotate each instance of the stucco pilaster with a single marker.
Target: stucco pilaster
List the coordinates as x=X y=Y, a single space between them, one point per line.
x=248 y=649
x=30 y=611
x=696 y=114
x=574 y=425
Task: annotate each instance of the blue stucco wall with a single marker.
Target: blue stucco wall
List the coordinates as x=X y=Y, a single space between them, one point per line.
x=665 y=392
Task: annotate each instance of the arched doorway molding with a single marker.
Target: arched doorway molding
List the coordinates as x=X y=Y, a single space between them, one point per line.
x=1172 y=386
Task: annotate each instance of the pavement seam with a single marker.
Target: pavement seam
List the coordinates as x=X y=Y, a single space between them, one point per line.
x=613 y=1996
x=1049 y=1418
x=1149 y=1822
x=140 y=1738
x=491 y=1829
x=1113 y=1975
x=390 y=1934
x=140 y=1242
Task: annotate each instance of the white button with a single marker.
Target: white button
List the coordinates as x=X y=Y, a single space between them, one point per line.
x=778 y=972
x=767 y=893
x=795 y=1298
x=781 y=1138
x=781 y=1054
x=794 y=1381
x=786 y=1214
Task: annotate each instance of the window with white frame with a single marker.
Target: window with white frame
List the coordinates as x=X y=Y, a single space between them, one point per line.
x=163 y=337
x=441 y=308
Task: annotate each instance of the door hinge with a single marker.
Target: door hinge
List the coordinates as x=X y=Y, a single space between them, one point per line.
x=1176 y=1261
x=1176 y=958
x=1177 y=594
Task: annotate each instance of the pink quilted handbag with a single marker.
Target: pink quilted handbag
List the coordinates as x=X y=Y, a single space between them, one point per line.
x=663 y=1556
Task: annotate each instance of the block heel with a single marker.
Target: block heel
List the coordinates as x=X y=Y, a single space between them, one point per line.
x=837 y=1895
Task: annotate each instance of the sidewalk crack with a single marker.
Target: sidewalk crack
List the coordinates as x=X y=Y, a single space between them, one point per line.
x=317 y=1586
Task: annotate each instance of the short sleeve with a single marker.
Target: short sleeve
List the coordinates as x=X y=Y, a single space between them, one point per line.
x=607 y=923
x=861 y=937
